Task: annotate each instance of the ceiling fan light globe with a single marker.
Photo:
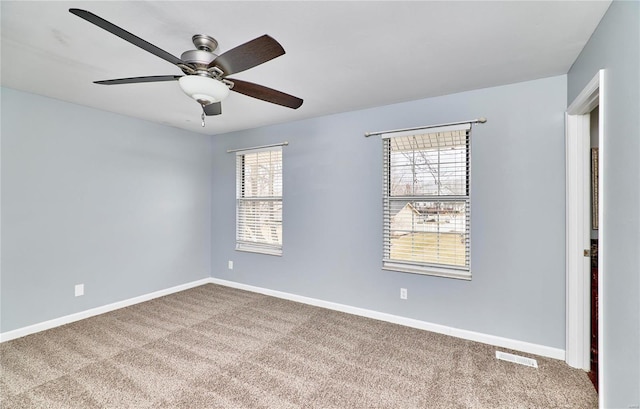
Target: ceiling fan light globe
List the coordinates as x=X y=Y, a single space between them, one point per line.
x=205 y=90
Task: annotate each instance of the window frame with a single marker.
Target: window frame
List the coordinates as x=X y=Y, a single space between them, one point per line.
x=422 y=267
x=261 y=247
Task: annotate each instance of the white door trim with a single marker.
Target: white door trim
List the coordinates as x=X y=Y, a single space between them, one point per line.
x=578 y=189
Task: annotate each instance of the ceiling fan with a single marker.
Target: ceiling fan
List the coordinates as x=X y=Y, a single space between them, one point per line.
x=205 y=73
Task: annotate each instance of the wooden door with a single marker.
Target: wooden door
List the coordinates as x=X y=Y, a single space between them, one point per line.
x=593 y=373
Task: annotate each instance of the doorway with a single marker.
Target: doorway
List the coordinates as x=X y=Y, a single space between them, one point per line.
x=579 y=223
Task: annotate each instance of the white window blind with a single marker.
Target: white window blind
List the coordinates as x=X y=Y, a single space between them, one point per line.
x=426 y=202
x=259 y=201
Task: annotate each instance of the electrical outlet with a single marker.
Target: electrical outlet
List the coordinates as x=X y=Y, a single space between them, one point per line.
x=403 y=293
x=230 y=265
x=79 y=290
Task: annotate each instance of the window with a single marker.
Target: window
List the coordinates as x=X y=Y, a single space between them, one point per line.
x=426 y=201
x=259 y=201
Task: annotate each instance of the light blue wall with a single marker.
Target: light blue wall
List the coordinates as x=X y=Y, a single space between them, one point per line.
x=119 y=204
x=332 y=213
x=615 y=46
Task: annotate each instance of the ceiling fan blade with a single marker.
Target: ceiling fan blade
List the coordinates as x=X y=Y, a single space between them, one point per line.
x=248 y=55
x=125 y=35
x=266 y=94
x=213 y=109
x=135 y=80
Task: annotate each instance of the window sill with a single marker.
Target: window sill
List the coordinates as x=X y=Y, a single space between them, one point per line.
x=427 y=270
x=259 y=250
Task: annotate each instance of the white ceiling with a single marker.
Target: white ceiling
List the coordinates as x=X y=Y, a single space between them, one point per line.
x=340 y=56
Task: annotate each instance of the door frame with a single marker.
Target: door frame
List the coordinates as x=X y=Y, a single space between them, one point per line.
x=578 y=226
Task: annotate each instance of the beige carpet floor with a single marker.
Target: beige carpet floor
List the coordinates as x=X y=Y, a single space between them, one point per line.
x=218 y=347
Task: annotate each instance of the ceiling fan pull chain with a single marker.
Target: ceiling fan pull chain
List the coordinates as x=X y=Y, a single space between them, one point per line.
x=202 y=116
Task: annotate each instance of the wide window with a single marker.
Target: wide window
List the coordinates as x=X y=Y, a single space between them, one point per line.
x=259 y=201
x=426 y=201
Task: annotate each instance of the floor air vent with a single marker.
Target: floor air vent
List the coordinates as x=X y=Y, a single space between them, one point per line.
x=517 y=359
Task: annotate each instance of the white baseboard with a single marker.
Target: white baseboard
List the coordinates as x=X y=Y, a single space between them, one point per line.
x=497 y=341
x=521 y=346
x=31 y=329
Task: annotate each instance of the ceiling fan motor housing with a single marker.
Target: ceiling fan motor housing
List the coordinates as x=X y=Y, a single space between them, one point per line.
x=198 y=57
x=203 y=55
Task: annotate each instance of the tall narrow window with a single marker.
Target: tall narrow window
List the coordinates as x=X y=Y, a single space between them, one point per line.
x=259 y=201
x=426 y=201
